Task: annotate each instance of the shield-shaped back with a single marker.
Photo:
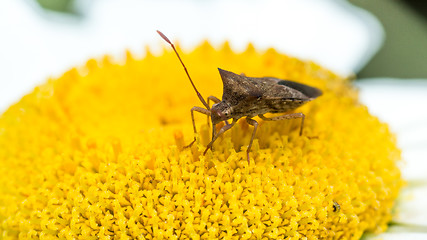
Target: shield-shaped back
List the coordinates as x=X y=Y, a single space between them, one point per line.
x=238 y=88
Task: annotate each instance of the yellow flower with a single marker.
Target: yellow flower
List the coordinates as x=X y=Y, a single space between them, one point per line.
x=98 y=153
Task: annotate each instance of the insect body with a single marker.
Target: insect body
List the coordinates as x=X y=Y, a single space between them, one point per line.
x=248 y=97
x=336 y=207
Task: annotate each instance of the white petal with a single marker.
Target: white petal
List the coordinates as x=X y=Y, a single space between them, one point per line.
x=401 y=104
x=399 y=233
x=397 y=236
x=411 y=209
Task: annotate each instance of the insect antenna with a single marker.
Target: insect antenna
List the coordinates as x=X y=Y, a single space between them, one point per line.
x=194 y=86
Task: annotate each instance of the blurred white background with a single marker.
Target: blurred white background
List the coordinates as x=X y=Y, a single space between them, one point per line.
x=36 y=43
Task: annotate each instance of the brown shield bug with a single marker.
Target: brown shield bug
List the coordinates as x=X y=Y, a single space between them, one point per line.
x=248 y=97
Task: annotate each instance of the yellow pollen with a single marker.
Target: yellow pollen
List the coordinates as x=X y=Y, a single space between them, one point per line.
x=98 y=153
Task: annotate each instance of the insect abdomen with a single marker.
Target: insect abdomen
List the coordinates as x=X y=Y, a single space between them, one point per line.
x=279 y=106
x=253 y=108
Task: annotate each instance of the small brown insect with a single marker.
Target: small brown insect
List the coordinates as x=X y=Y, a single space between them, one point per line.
x=336 y=207
x=248 y=97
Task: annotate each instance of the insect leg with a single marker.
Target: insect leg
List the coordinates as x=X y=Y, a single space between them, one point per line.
x=221 y=131
x=213 y=132
x=213 y=99
x=200 y=110
x=286 y=116
x=254 y=123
